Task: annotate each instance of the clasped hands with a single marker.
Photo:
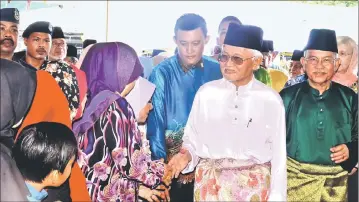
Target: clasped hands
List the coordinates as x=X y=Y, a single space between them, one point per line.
x=161 y=192
x=179 y=162
x=172 y=170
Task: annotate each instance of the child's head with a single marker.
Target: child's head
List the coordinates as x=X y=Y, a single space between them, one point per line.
x=45 y=153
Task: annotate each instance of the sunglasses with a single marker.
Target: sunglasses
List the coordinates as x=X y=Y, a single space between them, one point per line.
x=235 y=59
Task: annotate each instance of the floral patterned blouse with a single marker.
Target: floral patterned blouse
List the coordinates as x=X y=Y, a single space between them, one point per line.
x=113 y=157
x=66 y=78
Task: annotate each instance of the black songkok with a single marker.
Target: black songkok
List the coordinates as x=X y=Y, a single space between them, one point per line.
x=322 y=39
x=245 y=36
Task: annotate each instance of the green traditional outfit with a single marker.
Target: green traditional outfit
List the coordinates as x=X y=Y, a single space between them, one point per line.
x=263 y=76
x=315 y=123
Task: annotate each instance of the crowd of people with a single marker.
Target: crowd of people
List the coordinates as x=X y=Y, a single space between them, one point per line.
x=230 y=126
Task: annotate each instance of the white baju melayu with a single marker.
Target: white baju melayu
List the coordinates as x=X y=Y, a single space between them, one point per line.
x=237 y=140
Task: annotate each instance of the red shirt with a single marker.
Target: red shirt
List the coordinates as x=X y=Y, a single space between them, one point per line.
x=81 y=80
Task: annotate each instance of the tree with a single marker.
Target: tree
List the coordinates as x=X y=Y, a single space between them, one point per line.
x=334 y=3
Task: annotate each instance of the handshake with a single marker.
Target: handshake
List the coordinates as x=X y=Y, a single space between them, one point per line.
x=179 y=162
x=172 y=170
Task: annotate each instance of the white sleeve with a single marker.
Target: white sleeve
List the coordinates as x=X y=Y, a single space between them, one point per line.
x=278 y=186
x=190 y=135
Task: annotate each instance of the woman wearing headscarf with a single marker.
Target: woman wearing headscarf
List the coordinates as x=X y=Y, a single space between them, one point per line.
x=348 y=69
x=348 y=75
x=113 y=158
x=17 y=91
x=83 y=55
x=51 y=105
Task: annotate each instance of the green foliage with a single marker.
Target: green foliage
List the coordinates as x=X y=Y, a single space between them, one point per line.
x=334 y=3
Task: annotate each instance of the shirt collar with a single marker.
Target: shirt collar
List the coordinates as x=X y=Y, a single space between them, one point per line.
x=186 y=68
x=244 y=88
x=23 y=62
x=315 y=92
x=34 y=194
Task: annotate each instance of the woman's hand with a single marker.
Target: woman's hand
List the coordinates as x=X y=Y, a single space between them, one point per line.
x=354 y=170
x=165 y=190
x=142 y=117
x=151 y=195
x=167 y=177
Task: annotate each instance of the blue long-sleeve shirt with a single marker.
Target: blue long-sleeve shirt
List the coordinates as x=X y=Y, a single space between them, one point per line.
x=172 y=101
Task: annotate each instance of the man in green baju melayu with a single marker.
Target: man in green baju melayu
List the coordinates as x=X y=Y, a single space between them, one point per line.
x=322 y=126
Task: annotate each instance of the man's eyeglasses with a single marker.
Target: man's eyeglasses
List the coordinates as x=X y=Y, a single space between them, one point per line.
x=235 y=59
x=324 y=61
x=61 y=45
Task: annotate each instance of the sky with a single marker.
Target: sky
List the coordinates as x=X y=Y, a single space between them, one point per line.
x=150 y=24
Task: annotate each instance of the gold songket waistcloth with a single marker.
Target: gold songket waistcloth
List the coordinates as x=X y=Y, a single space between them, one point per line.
x=231 y=180
x=311 y=182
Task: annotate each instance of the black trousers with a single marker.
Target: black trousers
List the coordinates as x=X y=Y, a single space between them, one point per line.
x=181 y=192
x=353 y=188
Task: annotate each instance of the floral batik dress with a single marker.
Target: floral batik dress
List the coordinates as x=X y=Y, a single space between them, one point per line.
x=113 y=158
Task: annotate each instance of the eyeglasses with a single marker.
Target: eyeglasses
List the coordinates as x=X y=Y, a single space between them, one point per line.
x=61 y=45
x=324 y=61
x=235 y=59
x=343 y=54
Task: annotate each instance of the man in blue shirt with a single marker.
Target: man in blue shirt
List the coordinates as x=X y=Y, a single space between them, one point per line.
x=177 y=80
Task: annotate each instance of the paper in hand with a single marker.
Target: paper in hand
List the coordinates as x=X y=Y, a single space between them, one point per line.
x=140 y=95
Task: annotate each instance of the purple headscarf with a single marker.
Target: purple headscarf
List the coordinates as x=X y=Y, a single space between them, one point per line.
x=109 y=67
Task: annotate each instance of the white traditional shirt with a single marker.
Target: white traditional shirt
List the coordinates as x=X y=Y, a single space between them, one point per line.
x=245 y=123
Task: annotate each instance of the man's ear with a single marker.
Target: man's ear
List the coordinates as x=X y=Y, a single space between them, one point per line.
x=303 y=62
x=52 y=178
x=207 y=39
x=257 y=61
x=337 y=64
x=25 y=41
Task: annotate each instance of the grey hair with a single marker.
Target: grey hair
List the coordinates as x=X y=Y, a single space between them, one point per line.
x=346 y=40
x=257 y=54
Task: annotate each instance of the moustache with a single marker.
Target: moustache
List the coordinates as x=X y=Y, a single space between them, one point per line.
x=7 y=39
x=40 y=50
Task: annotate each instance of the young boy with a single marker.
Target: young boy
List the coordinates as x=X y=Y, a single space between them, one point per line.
x=45 y=153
